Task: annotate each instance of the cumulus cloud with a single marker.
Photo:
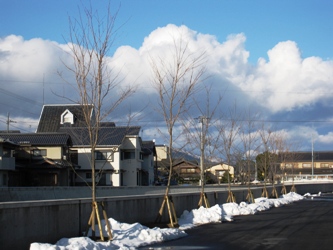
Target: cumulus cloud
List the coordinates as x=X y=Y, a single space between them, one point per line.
x=284 y=82
x=287 y=81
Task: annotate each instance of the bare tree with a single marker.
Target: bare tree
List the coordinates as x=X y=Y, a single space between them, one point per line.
x=175 y=82
x=228 y=130
x=277 y=145
x=249 y=137
x=200 y=136
x=264 y=162
x=97 y=85
x=289 y=158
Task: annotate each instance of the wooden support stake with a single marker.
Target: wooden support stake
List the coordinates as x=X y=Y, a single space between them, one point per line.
x=91 y=223
x=171 y=211
x=160 y=212
x=283 y=190
x=264 y=193
x=99 y=222
x=293 y=189
x=203 y=199
x=108 y=226
x=231 y=197
x=206 y=201
x=93 y=232
x=250 y=197
x=174 y=215
x=274 y=193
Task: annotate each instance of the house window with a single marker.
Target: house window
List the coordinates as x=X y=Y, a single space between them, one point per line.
x=289 y=165
x=67 y=117
x=39 y=152
x=128 y=155
x=306 y=165
x=104 y=155
x=187 y=170
x=219 y=173
x=88 y=175
x=324 y=165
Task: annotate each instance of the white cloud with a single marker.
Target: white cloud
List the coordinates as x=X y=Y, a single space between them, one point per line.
x=287 y=81
x=326 y=139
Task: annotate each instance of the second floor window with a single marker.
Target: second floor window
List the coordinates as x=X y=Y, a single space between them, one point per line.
x=306 y=165
x=104 y=155
x=127 y=155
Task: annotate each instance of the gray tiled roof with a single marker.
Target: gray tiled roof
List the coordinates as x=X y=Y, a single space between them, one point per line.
x=148 y=147
x=108 y=136
x=38 y=138
x=50 y=117
x=317 y=156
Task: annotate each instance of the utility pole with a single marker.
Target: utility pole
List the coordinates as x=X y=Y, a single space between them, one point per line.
x=8 y=122
x=202 y=148
x=312 y=155
x=203 y=198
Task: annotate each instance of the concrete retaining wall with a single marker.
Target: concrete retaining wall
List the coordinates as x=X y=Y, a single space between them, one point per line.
x=48 y=221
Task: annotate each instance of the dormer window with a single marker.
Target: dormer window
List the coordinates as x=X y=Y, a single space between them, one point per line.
x=67 y=117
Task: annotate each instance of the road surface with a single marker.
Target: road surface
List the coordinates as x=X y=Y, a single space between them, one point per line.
x=306 y=224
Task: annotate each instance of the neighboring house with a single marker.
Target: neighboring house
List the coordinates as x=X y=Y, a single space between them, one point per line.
x=149 y=166
x=187 y=171
x=162 y=154
x=300 y=163
x=163 y=159
x=119 y=155
x=41 y=159
x=7 y=161
x=217 y=171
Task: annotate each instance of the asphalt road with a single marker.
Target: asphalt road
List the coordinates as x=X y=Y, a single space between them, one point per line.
x=306 y=224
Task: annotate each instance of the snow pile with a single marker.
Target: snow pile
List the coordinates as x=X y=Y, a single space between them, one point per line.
x=130 y=236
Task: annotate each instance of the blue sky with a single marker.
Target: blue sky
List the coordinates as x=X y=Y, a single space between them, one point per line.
x=274 y=55
x=265 y=23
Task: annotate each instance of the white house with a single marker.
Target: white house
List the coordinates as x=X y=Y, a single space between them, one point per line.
x=119 y=155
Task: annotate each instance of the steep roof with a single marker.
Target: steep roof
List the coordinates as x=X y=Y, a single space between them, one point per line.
x=38 y=139
x=108 y=136
x=184 y=161
x=50 y=116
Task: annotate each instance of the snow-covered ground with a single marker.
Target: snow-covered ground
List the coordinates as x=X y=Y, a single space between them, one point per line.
x=131 y=236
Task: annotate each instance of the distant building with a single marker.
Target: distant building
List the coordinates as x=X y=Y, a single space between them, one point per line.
x=216 y=172
x=302 y=164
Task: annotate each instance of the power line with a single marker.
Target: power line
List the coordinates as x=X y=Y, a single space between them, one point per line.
x=22 y=98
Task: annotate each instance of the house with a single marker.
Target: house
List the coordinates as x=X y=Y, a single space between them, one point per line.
x=7 y=160
x=163 y=159
x=119 y=153
x=303 y=164
x=187 y=171
x=216 y=172
x=149 y=163
x=41 y=159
